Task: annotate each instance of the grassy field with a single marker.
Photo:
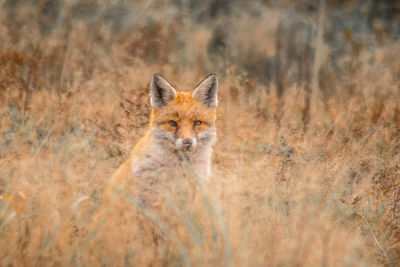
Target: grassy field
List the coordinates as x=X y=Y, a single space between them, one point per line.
x=306 y=169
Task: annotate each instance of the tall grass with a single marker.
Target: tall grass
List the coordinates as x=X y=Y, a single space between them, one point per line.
x=285 y=190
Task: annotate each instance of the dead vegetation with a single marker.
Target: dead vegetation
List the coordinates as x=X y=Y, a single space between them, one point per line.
x=73 y=100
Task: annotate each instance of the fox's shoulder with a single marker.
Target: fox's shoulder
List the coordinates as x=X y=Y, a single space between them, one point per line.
x=139 y=150
x=142 y=145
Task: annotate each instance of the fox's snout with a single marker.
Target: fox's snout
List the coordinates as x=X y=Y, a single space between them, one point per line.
x=186 y=144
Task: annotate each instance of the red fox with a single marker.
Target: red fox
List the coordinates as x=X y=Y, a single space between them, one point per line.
x=181 y=132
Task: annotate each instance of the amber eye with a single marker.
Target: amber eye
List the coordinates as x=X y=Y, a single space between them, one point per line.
x=197 y=123
x=173 y=123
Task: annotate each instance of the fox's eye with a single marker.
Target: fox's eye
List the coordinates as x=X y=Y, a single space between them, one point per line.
x=173 y=123
x=197 y=123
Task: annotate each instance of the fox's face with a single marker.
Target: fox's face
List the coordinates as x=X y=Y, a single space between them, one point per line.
x=183 y=121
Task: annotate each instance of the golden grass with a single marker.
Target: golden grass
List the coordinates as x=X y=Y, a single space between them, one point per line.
x=281 y=194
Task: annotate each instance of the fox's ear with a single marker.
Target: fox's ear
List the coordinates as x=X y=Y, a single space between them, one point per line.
x=161 y=92
x=206 y=91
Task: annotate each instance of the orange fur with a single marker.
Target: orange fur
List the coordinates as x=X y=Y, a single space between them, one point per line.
x=155 y=158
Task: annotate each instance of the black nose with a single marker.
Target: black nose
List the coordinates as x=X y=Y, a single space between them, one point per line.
x=187 y=143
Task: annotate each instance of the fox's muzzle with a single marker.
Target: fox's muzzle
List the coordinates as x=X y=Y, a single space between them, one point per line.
x=186 y=144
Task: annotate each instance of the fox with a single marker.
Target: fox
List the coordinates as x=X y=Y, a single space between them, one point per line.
x=177 y=144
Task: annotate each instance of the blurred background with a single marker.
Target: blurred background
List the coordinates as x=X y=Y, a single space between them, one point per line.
x=306 y=167
x=316 y=45
x=263 y=41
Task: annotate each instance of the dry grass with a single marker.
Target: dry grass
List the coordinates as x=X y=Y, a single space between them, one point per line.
x=73 y=102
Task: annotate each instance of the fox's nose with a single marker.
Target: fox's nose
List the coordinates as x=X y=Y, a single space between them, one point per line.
x=187 y=143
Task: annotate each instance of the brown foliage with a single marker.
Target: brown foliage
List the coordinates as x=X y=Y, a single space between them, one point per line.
x=281 y=193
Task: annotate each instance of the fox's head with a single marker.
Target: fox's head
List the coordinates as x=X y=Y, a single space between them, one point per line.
x=184 y=121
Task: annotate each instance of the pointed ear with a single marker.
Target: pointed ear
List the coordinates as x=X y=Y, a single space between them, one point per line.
x=161 y=92
x=206 y=91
